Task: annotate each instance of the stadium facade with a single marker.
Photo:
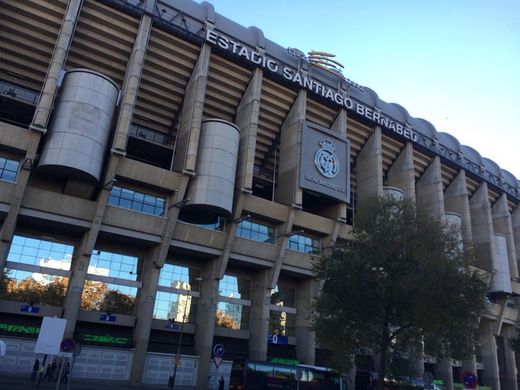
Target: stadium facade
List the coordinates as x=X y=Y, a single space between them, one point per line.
x=167 y=175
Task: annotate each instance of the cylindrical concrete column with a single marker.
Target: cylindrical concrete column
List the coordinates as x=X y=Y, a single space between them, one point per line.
x=305 y=336
x=260 y=302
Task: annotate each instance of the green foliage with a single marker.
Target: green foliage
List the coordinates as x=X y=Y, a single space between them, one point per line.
x=401 y=281
x=115 y=302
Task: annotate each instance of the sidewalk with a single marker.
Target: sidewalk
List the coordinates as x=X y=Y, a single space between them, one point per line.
x=12 y=381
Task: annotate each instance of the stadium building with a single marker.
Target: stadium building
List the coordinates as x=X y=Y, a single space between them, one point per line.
x=167 y=175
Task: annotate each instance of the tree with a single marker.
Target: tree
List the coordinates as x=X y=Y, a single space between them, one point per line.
x=400 y=285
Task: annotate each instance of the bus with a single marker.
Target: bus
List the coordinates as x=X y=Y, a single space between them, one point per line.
x=257 y=375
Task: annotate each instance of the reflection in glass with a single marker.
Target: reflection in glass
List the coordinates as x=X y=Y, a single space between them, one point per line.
x=255 y=231
x=301 y=243
x=22 y=286
x=40 y=252
x=234 y=287
x=113 y=264
x=232 y=316
x=108 y=298
x=175 y=307
x=282 y=323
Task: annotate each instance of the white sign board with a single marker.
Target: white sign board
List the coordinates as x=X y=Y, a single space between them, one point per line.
x=50 y=336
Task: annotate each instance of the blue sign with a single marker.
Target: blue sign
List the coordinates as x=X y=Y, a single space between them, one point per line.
x=469 y=380
x=278 y=339
x=172 y=325
x=29 y=309
x=107 y=317
x=218 y=350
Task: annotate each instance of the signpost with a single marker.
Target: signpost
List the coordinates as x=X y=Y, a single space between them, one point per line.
x=218 y=356
x=469 y=380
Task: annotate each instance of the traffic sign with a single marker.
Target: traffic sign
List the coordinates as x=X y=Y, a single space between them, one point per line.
x=469 y=380
x=218 y=351
x=67 y=345
x=217 y=361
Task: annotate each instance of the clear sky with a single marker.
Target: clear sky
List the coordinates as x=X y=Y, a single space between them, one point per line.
x=455 y=63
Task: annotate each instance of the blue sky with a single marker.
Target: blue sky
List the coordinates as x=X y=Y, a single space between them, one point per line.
x=455 y=63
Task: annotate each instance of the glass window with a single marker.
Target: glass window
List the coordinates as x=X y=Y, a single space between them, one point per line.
x=40 y=252
x=283 y=296
x=285 y=372
x=113 y=265
x=108 y=298
x=8 y=169
x=265 y=370
x=134 y=200
x=255 y=231
x=282 y=323
x=219 y=225
x=179 y=277
x=33 y=287
x=235 y=287
x=232 y=316
x=176 y=307
x=301 y=243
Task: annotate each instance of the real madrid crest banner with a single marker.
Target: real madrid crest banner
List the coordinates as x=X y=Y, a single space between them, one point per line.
x=325 y=162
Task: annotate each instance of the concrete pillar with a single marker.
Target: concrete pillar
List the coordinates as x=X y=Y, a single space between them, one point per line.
x=430 y=191
x=482 y=229
x=369 y=168
x=152 y=266
x=247 y=117
x=444 y=371
x=288 y=190
x=188 y=134
x=59 y=56
x=205 y=330
x=339 y=212
x=469 y=365
x=456 y=200
x=402 y=174
x=39 y=122
x=515 y=221
x=502 y=224
x=305 y=337
x=260 y=311
x=488 y=343
x=281 y=242
x=131 y=82
x=508 y=381
x=145 y=302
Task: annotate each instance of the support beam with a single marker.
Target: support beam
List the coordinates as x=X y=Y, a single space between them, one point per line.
x=191 y=116
x=502 y=224
x=482 y=229
x=402 y=174
x=456 y=200
x=260 y=311
x=430 y=191
x=247 y=118
x=290 y=153
x=281 y=240
x=369 y=168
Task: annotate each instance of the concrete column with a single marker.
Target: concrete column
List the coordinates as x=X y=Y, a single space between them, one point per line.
x=305 y=337
x=9 y=224
x=39 y=122
x=509 y=380
x=288 y=190
x=150 y=277
x=188 y=134
x=81 y=257
x=206 y=322
x=339 y=212
x=456 y=200
x=515 y=220
x=145 y=302
x=231 y=230
x=488 y=343
x=369 y=168
x=260 y=311
x=59 y=56
x=402 y=174
x=131 y=83
x=482 y=229
x=430 y=191
x=281 y=242
x=444 y=371
x=502 y=224
x=247 y=117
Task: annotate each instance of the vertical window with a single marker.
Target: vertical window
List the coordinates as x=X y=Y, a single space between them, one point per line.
x=111 y=283
x=8 y=169
x=233 y=309
x=177 y=297
x=282 y=315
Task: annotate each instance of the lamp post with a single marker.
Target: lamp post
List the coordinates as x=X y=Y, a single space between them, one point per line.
x=176 y=360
